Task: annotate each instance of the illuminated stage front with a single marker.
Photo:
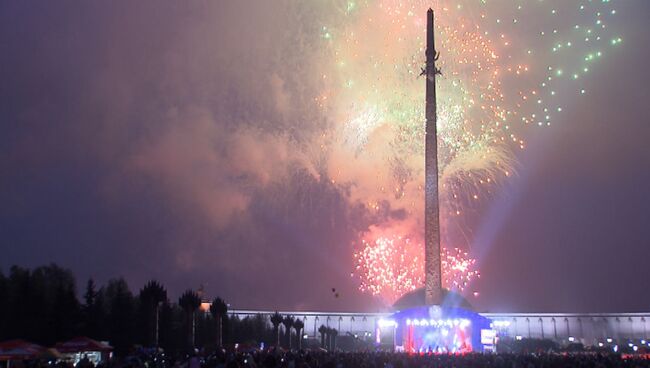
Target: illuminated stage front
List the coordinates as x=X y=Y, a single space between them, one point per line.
x=442 y=330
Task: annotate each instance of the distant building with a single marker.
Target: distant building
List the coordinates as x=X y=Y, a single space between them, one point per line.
x=590 y=329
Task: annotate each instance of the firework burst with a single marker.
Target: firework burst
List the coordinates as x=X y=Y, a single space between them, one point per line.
x=506 y=66
x=392 y=266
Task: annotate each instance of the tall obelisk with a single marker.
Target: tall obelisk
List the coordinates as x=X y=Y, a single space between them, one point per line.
x=432 y=264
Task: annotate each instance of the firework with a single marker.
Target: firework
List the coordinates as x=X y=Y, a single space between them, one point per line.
x=389 y=267
x=392 y=266
x=506 y=65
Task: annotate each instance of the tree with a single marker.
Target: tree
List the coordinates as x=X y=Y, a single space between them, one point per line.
x=92 y=311
x=332 y=334
x=54 y=291
x=276 y=319
x=288 y=323
x=322 y=330
x=172 y=328
x=151 y=296
x=120 y=304
x=219 y=310
x=90 y=296
x=190 y=302
x=298 y=325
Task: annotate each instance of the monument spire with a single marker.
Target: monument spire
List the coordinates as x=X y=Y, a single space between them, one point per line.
x=432 y=264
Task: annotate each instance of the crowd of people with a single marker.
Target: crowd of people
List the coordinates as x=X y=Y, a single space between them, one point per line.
x=323 y=359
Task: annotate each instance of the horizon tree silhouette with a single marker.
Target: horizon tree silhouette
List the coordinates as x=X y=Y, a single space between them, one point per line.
x=219 y=310
x=151 y=296
x=190 y=302
x=288 y=324
x=298 y=325
x=276 y=319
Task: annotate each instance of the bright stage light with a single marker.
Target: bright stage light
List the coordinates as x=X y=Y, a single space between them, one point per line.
x=382 y=323
x=501 y=324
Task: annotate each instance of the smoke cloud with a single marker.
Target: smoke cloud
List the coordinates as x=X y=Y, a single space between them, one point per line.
x=215 y=143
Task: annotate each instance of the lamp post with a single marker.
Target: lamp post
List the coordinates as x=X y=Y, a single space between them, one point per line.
x=157 y=337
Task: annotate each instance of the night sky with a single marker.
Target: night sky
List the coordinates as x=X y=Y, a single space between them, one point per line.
x=170 y=140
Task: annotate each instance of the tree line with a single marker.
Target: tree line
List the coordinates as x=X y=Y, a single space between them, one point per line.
x=41 y=305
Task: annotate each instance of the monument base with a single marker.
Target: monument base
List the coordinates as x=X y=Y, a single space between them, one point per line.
x=453 y=327
x=440 y=330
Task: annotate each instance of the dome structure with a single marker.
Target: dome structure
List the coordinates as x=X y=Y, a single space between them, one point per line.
x=415 y=299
